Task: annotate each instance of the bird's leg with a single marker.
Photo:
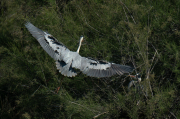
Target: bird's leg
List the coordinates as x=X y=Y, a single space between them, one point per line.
x=58 y=88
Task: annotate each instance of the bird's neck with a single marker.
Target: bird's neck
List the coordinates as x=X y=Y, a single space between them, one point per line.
x=79 y=47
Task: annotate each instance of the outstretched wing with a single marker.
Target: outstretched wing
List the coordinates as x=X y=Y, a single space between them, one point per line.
x=50 y=45
x=55 y=49
x=67 y=61
x=100 y=69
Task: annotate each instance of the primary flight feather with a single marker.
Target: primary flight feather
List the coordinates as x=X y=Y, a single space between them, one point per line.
x=67 y=61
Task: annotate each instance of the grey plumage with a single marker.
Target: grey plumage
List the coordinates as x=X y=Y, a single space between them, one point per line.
x=67 y=61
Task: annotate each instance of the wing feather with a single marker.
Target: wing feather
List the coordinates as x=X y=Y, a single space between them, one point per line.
x=67 y=61
x=100 y=69
x=100 y=73
x=39 y=35
x=57 y=50
x=50 y=45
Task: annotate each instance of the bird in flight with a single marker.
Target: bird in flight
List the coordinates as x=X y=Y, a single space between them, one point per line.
x=68 y=61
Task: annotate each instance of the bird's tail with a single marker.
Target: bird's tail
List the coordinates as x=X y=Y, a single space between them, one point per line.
x=65 y=69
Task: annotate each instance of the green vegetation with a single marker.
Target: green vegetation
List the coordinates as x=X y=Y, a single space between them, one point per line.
x=141 y=33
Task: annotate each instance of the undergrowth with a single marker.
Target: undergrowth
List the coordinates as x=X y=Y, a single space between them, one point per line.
x=142 y=34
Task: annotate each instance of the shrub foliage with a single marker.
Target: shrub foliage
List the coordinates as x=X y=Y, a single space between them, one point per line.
x=141 y=33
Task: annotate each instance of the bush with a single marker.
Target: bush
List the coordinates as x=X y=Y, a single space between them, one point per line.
x=142 y=34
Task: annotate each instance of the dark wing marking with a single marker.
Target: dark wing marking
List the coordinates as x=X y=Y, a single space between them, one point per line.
x=66 y=60
x=100 y=69
x=65 y=69
x=54 y=48
x=37 y=33
x=55 y=41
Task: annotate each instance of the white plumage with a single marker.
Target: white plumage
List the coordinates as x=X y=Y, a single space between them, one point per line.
x=67 y=61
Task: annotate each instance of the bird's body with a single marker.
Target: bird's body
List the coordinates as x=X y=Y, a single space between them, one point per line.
x=67 y=61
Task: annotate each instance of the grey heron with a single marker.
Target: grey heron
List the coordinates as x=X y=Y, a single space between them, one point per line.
x=68 y=61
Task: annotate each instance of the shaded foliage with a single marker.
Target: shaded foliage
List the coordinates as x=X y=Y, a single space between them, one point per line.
x=143 y=34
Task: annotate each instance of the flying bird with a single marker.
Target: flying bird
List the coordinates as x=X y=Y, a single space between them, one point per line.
x=68 y=61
